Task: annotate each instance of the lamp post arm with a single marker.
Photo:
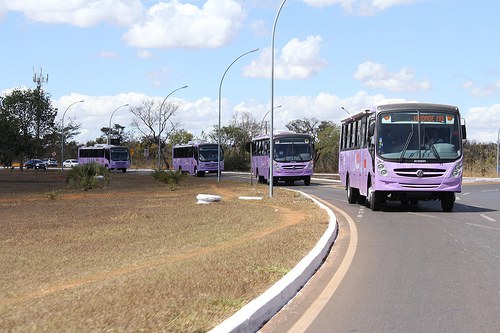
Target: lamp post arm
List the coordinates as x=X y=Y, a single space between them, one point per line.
x=271 y=140
x=220 y=101
x=159 y=124
x=109 y=128
x=62 y=130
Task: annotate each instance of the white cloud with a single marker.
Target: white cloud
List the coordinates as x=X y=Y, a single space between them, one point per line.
x=360 y=7
x=375 y=75
x=485 y=91
x=175 y=24
x=483 y=122
x=108 y=54
x=145 y=54
x=81 y=13
x=298 y=60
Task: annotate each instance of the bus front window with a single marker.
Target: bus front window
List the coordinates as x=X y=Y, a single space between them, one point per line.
x=298 y=150
x=429 y=136
x=209 y=154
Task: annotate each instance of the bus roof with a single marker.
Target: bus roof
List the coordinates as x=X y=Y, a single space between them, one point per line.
x=192 y=144
x=399 y=106
x=100 y=145
x=281 y=135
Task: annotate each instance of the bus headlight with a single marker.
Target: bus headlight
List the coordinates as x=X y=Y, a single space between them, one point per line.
x=381 y=169
x=310 y=165
x=275 y=165
x=457 y=170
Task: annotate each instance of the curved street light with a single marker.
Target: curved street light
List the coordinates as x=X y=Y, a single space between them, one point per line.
x=271 y=138
x=62 y=130
x=159 y=124
x=109 y=128
x=262 y=122
x=218 y=129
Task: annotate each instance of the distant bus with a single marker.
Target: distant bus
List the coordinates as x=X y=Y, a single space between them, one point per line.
x=197 y=158
x=293 y=157
x=402 y=152
x=112 y=157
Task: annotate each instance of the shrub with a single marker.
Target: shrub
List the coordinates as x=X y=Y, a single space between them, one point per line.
x=172 y=178
x=88 y=176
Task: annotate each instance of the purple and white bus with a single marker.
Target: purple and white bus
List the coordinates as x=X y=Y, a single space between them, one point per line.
x=197 y=158
x=402 y=152
x=293 y=157
x=112 y=157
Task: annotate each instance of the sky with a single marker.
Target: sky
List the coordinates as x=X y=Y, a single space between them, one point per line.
x=329 y=55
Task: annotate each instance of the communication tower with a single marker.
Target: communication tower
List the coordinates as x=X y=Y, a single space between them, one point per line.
x=40 y=79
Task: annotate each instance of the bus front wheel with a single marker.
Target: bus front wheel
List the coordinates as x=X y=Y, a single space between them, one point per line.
x=307 y=181
x=374 y=199
x=447 y=201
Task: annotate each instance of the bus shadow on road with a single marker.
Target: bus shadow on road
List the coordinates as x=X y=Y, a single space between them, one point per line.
x=432 y=206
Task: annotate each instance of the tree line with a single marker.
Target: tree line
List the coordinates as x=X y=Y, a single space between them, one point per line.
x=28 y=130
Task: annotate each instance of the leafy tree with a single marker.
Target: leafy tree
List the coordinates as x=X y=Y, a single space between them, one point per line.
x=180 y=137
x=115 y=133
x=28 y=116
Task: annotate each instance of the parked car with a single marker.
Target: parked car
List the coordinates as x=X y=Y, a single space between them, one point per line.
x=70 y=163
x=35 y=164
x=51 y=162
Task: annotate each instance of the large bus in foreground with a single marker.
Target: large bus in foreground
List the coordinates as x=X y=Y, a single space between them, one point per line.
x=112 y=157
x=293 y=157
x=197 y=158
x=402 y=152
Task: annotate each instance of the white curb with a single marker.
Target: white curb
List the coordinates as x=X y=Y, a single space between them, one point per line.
x=253 y=315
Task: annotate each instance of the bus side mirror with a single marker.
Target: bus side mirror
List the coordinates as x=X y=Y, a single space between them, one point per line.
x=464 y=130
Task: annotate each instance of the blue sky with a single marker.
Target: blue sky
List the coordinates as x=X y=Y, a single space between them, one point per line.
x=329 y=54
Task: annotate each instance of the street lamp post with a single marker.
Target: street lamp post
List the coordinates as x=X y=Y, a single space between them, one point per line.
x=262 y=122
x=159 y=124
x=220 y=92
x=62 y=130
x=498 y=148
x=109 y=128
x=271 y=137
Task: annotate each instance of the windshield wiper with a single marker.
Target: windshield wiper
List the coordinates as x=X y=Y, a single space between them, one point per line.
x=435 y=152
x=403 y=152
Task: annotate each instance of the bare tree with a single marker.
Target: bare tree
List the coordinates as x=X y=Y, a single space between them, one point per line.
x=154 y=124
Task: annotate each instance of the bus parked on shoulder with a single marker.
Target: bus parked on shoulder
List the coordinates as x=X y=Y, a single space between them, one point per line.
x=112 y=157
x=403 y=152
x=197 y=158
x=293 y=157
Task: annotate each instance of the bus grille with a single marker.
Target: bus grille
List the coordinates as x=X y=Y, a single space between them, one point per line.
x=419 y=186
x=420 y=172
x=293 y=167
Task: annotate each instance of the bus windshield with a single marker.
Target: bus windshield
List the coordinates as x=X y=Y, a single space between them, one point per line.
x=119 y=154
x=209 y=153
x=292 y=149
x=418 y=136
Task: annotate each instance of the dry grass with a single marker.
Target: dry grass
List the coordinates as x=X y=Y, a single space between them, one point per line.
x=137 y=256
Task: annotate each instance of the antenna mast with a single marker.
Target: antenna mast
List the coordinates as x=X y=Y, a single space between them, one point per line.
x=40 y=79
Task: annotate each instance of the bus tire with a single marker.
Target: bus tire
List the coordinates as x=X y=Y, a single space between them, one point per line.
x=124 y=170
x=352 y=193
x=307 y=181
x=447 y=201
x=374 y=199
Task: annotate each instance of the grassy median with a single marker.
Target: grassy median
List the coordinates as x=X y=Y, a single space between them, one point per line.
x=136 y=256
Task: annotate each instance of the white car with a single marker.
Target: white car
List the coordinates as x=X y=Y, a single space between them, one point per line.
x=70 y=163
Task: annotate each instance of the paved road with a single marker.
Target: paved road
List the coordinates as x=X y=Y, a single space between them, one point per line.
x=405 y=269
